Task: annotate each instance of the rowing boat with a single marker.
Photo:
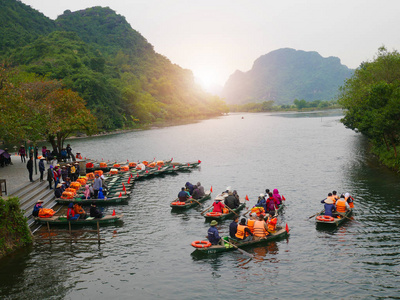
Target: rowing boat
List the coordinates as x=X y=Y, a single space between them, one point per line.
x=62 y=220
x=106 y=201
x=176 y=205
x=338 y=219
x=219 y=217
x=280 y=233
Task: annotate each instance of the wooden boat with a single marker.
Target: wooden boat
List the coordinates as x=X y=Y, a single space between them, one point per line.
x=221 y=217
x=280 y=233
x=62 y=220
x=338 y=219
x=108 y=201
x=190 y=203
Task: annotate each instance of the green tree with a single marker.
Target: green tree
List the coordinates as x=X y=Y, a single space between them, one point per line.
x=371 y=99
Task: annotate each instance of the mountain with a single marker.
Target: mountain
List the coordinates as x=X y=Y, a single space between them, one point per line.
x=96 y=53
x=20 y=25
x=287 y=74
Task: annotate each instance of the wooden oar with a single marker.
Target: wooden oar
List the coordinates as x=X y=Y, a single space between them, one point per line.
x=205 y=210
x=196 y=201
x=314 y=215
x=240 y=250
x=231 y=209
x=246 y=212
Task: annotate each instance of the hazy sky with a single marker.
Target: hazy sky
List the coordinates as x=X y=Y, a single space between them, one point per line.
x=214 y=38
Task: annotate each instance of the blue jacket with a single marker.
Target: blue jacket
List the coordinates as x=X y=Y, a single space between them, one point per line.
x=262 y=203
x=329 y=209
x=213 y=235
x=189 y=186
x=233 y=229
x=41 y=166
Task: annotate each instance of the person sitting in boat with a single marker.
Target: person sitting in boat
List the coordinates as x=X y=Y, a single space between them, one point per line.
x=233 y=227
x=95 y=212
x=231 y=201
x=182 y=195
x=100 y=195
x=251 y=221
x=341 y=205
x=38 y=206
x=196 y=192
x=277 y=197
x=260 y=228
x=201 y=189
x=271 y=222
x=213 y=234
x=86 y=193
x=189 y=187
x=329 y=206
x=330 y=196
x=349 y=199
x=243 y=232
x=335 y=196
x=71 y=215
x=80 y=211
x=261 y=202
x=271 y=203
x=218 y=205
x=58 y=191
x=235 y=193
x=67 y=182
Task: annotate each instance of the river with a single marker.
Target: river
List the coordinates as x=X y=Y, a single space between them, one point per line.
x=148 y=256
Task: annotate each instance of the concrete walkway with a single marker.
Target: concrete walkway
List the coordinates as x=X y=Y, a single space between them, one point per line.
x=17 y=175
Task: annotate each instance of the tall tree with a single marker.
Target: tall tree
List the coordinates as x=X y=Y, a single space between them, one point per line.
x=371 y=98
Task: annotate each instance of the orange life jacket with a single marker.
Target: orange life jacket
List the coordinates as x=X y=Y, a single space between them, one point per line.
x=333 y=198
x=240 y=233
x=350 y=201
x=250 y=224
x=272 y=224
x=341 y=205
x=259 y=229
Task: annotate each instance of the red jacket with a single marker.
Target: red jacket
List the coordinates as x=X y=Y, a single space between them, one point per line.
x=218 y=206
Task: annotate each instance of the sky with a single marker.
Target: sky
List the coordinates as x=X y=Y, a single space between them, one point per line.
x=214 y=38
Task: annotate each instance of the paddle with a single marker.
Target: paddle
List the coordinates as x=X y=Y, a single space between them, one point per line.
x=196 y=201
x=231 y=209
x=314 y=215
x=246 y=212
x=206 y=210
x=240 y=250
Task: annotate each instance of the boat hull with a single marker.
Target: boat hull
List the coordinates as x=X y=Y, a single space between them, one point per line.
x=280 y=233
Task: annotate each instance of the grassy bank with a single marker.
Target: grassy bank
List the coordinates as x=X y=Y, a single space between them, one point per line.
x=14 y=231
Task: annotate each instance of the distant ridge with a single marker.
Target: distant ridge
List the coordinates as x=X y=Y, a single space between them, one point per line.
x=287 y=74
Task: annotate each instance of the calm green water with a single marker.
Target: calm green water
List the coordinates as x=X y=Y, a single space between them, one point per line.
x=149 y=256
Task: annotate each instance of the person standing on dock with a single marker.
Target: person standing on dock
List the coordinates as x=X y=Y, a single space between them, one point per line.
x=50 y=176
x=41 y=168
x=97 y=184
x=22 y=153
x=29 y=166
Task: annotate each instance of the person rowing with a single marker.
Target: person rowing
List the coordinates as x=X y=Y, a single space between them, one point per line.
x=233 y=227
x=213 y=234
x=218 y=205
x=183 y=195
x=329 y=206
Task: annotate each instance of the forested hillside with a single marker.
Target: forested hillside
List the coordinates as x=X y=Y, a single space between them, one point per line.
x=20 y=25
x=96 y=53
x=286 y=74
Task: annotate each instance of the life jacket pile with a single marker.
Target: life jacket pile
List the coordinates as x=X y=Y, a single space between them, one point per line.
x=46 y=213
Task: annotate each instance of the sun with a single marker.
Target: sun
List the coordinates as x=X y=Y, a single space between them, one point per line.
x=206 y=78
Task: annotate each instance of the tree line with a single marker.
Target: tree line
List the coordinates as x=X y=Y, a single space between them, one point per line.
x=371 y=99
